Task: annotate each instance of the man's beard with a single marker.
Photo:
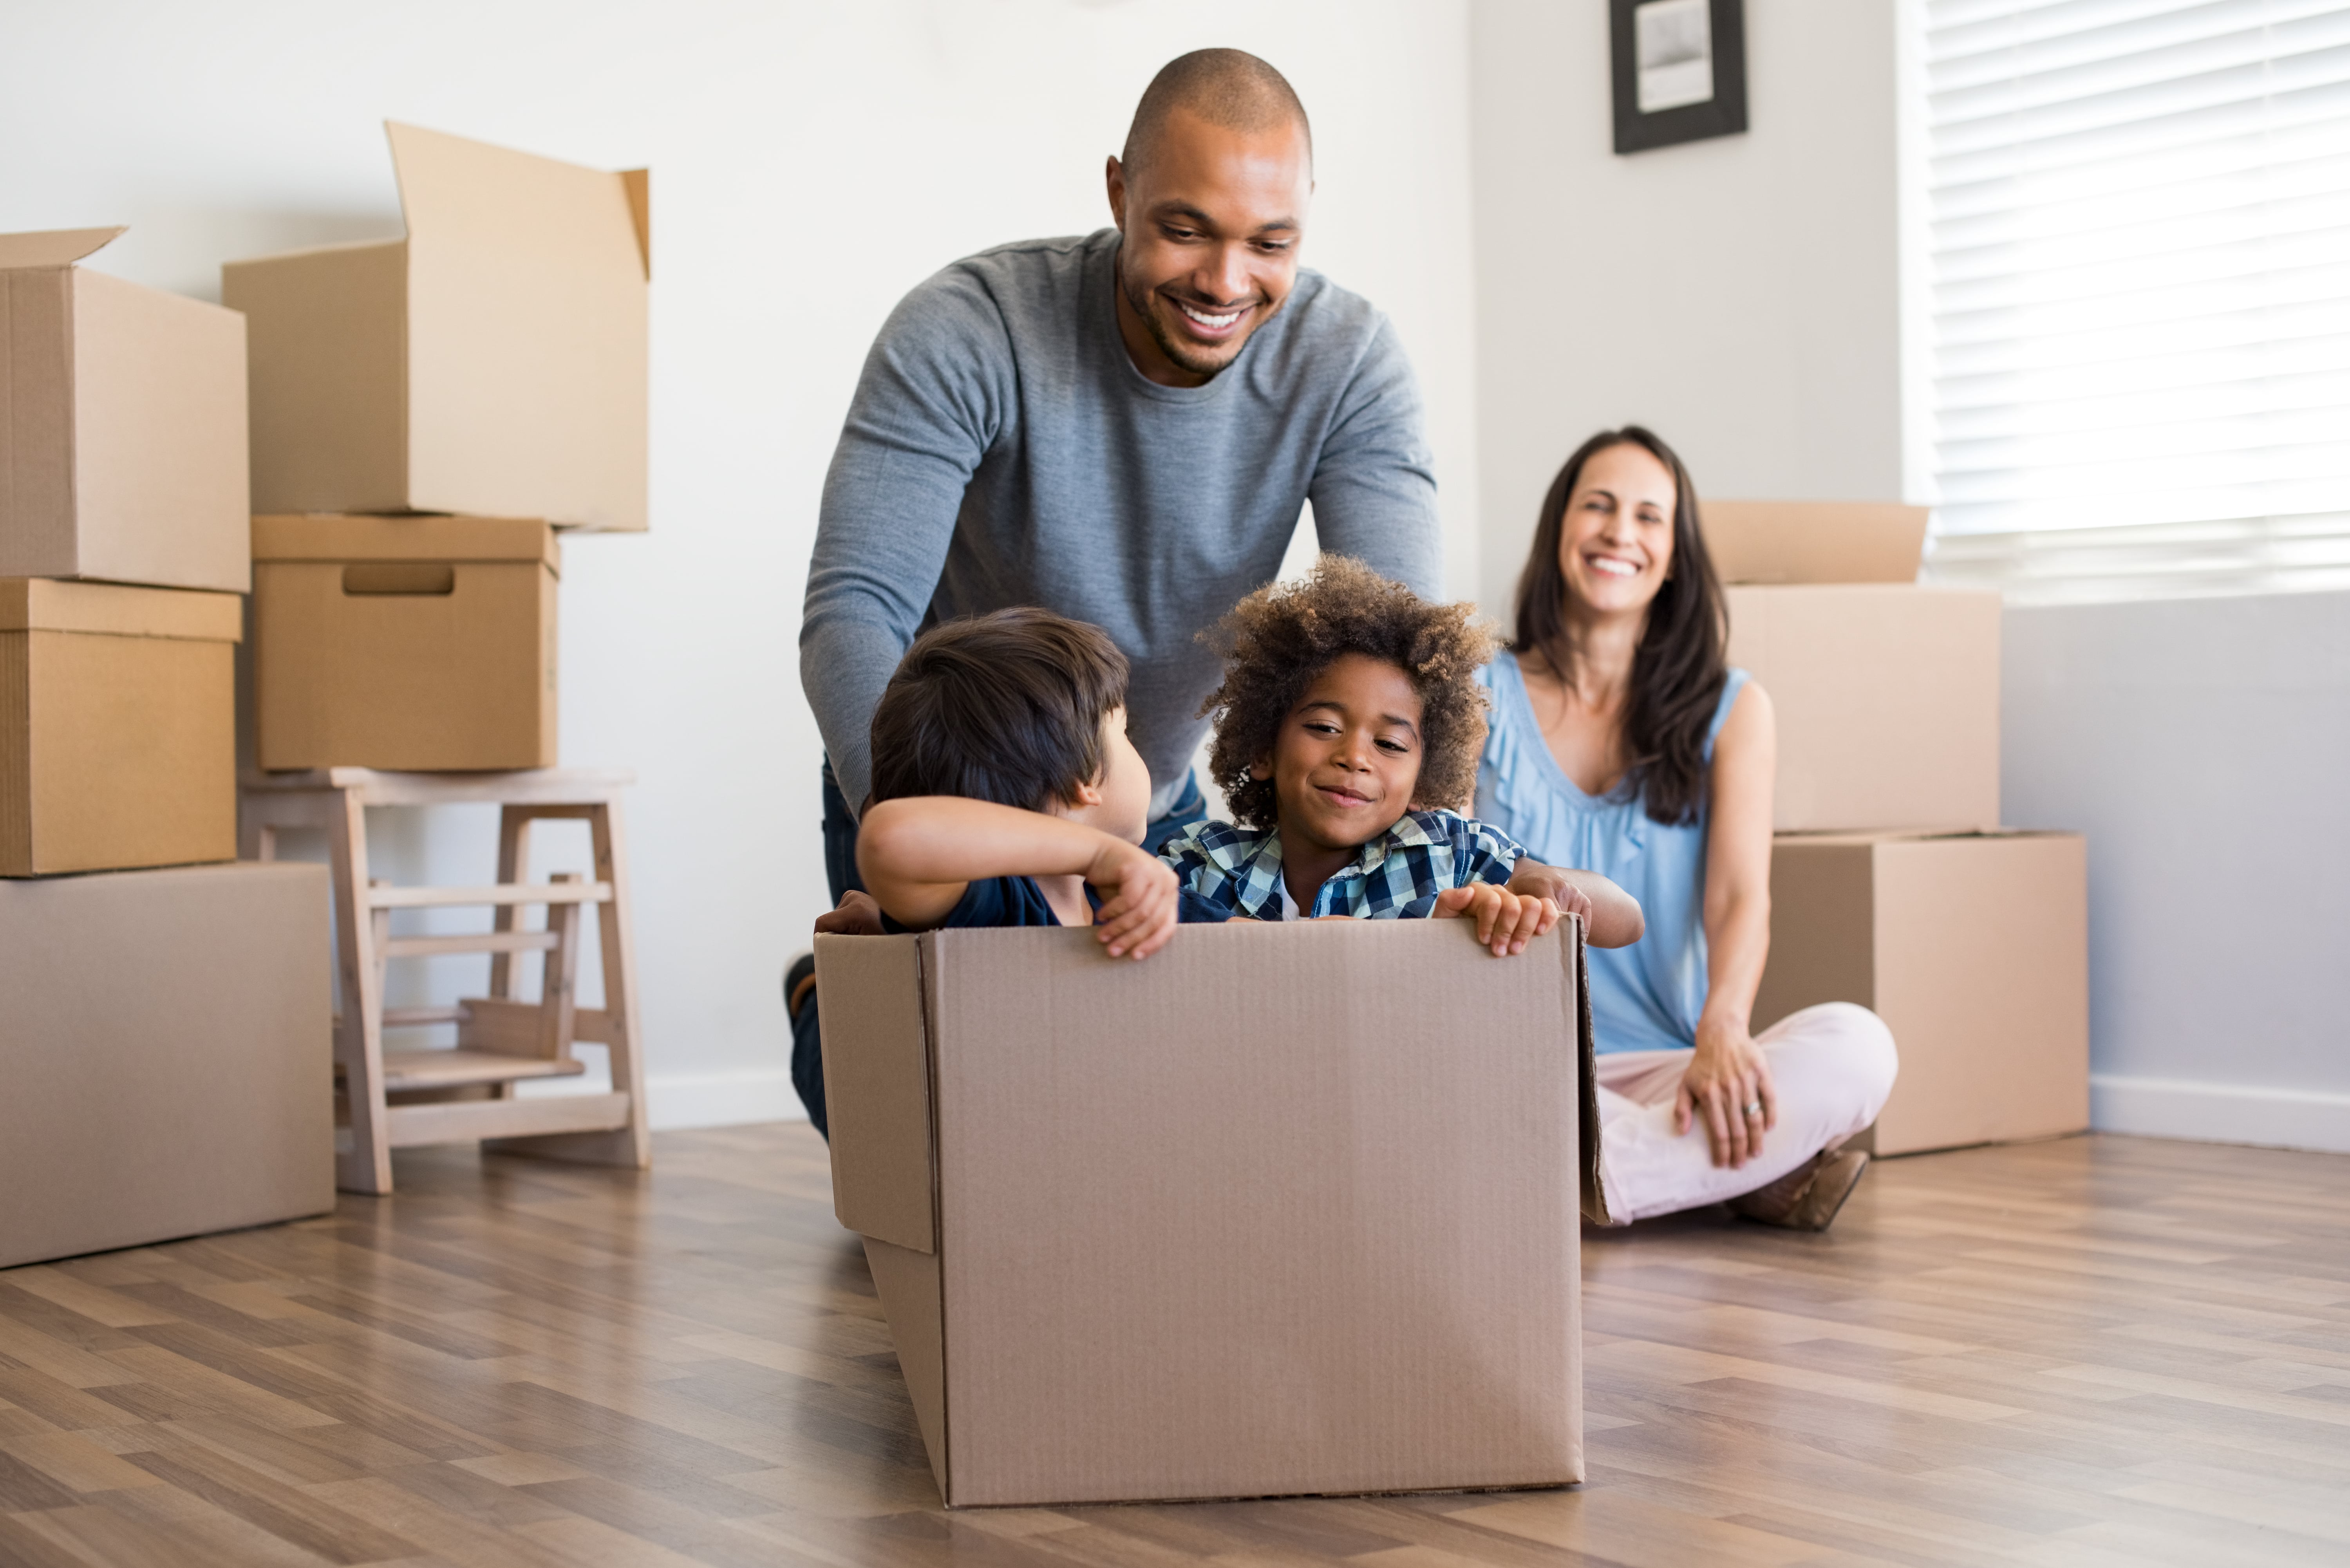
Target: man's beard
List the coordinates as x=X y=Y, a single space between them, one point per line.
x=1185 y=355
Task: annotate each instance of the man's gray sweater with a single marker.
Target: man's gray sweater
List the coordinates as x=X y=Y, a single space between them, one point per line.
x=1002 y=450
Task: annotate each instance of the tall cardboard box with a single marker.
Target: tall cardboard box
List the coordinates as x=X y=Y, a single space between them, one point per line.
x=165 y=1048
x=415 y=643
x=1887 y=701
x=1814 y=541
x=1286 y=1208
x=123 y=436
x=1972 y=948
x=118 y=727
x=491 y=361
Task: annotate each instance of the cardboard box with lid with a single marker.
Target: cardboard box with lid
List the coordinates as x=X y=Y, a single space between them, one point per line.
x=166 y=1052
x=424 y=644
x=1886 y=693
x=123 y=424
x=493 y=360
x=1283 y=1208
x=117 y=726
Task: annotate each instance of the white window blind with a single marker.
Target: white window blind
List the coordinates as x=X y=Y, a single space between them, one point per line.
x=2138 y=254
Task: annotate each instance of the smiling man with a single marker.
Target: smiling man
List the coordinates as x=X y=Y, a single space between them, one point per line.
x=1122 y=428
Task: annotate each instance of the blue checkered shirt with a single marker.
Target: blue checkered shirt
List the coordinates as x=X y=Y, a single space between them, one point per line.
x=1395 y=876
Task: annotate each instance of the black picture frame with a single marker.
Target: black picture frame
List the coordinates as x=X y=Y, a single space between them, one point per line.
x=1724 y=114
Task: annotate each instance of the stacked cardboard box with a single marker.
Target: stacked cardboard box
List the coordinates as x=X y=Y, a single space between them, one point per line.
x=1892 y=882
x=425 y=412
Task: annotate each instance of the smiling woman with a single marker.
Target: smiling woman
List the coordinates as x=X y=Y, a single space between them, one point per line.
x=1622 y=744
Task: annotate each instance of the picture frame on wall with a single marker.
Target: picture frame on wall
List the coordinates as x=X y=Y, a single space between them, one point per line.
x=1680 y=70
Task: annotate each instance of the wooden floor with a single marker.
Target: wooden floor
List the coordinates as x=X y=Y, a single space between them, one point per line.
x=2095 y=1351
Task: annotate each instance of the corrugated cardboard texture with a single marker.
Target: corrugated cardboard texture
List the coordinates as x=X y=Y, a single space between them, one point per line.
x=1973 y=948
x=167 y=1056
x=123 y=428
x=1814 y=541
x=1286 y=1208
x=117 y=732
x=356 y=666
x=1888 y=703
x=907 y=1283
x=877 y=1087
x=329 y=383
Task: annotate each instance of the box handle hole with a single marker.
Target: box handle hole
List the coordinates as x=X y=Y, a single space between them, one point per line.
x=400 y=578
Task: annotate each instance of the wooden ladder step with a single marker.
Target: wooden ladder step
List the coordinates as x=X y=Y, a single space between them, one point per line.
x=389 y=897
x=447 y=1069
x=461 y=1121
x=474 y=942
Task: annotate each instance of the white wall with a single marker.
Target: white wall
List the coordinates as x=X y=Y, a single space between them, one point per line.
x=811 y=162
x=1739 y=295
x=2204 y=746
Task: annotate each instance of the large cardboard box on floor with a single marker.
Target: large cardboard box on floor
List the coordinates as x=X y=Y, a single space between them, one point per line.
x=118 y=727
x=122 y=434
x=492 y=361
x=1283 y=1209
x=1887 y=698
x=165 y=1048
x=422 y=644
x=1974 y=947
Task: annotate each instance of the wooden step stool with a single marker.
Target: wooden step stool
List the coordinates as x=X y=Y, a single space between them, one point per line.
x=396 y=1099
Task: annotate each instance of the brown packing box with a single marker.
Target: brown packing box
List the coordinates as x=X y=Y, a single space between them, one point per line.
x=118 y=727
x=1887 y=701
x=1286 y=1208
x=1974 y=950
x=1814 y=541
x=417 y=643
x=166 y=1050
x=492 y=361
x=122 y=440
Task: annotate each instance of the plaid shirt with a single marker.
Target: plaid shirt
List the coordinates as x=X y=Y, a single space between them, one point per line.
x=1395 y=876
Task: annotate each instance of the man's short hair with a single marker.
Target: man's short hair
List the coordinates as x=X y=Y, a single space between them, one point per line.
x=1230 y=88
x=1006 y=707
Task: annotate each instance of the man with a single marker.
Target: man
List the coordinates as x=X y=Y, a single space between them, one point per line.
x=1122 y=429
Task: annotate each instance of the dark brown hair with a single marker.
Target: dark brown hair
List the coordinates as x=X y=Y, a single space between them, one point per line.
x=1006 y=707
x=1281 y=637
x=1678 y=670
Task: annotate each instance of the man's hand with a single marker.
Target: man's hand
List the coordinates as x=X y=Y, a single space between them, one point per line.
x=1728 y=1088
x=858 y=916
x=1139 y=916
x=1533 y=880
x=1505 y=922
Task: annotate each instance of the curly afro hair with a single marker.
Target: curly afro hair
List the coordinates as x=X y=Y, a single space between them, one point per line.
x=1279 y=639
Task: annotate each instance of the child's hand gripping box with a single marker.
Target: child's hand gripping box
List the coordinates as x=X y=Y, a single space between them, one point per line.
x=1284 y=1208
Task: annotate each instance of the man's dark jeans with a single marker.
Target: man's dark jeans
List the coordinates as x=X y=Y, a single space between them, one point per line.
x=840 y=871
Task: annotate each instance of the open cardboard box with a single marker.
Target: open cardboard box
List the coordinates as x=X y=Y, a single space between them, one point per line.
x=420 y=644
x=118 y=728
x=1974 y=947
x=1283 y=1208
x=493 y=361
x=122 y=438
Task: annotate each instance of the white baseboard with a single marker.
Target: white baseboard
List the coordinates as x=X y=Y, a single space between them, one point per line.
x=721 y=1099
x=2219 y=1113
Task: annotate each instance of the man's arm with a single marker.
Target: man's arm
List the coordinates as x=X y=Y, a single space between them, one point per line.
x=928 y=406
x=1374 y=490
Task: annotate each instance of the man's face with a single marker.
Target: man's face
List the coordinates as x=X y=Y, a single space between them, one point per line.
x=1211 y=225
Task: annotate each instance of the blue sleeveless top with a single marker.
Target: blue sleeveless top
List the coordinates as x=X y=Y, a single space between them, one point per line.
x=1645 y=997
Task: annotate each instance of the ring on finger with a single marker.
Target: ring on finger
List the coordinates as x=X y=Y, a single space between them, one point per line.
x=1754 y=1110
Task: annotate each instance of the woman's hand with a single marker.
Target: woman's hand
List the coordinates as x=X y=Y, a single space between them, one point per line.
x=1728 y=1089
x=1505 y=922
x=1140 y=914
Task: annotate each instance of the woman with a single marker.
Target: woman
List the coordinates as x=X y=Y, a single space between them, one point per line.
x=1623 y=743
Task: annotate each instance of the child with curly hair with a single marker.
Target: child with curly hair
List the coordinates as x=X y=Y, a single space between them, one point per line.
x=1348 y=728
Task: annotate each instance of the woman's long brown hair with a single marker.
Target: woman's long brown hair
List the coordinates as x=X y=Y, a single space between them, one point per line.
x=1678 y=670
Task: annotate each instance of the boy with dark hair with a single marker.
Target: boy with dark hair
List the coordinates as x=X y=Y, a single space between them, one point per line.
x=1348 y=728
x=1005 y=792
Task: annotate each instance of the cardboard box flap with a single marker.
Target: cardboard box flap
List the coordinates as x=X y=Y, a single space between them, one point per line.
x=52 y=247
x=1814 y=541
x=323 y=536
x=502 y=204
x=876 y=1086
x=1593 y=1189
x=111 y=609
x=639 y=183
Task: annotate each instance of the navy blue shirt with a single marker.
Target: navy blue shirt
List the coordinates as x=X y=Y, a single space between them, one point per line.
x=1018 y=901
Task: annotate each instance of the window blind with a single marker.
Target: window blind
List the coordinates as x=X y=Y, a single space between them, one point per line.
x=2137 y=240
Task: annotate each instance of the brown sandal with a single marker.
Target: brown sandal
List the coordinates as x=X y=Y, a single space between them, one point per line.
x=1807 y=1197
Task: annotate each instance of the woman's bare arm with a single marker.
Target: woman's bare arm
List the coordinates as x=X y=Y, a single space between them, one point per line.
x=1727 y=1073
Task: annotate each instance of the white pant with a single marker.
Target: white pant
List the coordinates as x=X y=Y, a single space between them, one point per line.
x=1832 y=1066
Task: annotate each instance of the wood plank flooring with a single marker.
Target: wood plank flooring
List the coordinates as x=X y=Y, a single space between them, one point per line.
x=2097 y=1351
